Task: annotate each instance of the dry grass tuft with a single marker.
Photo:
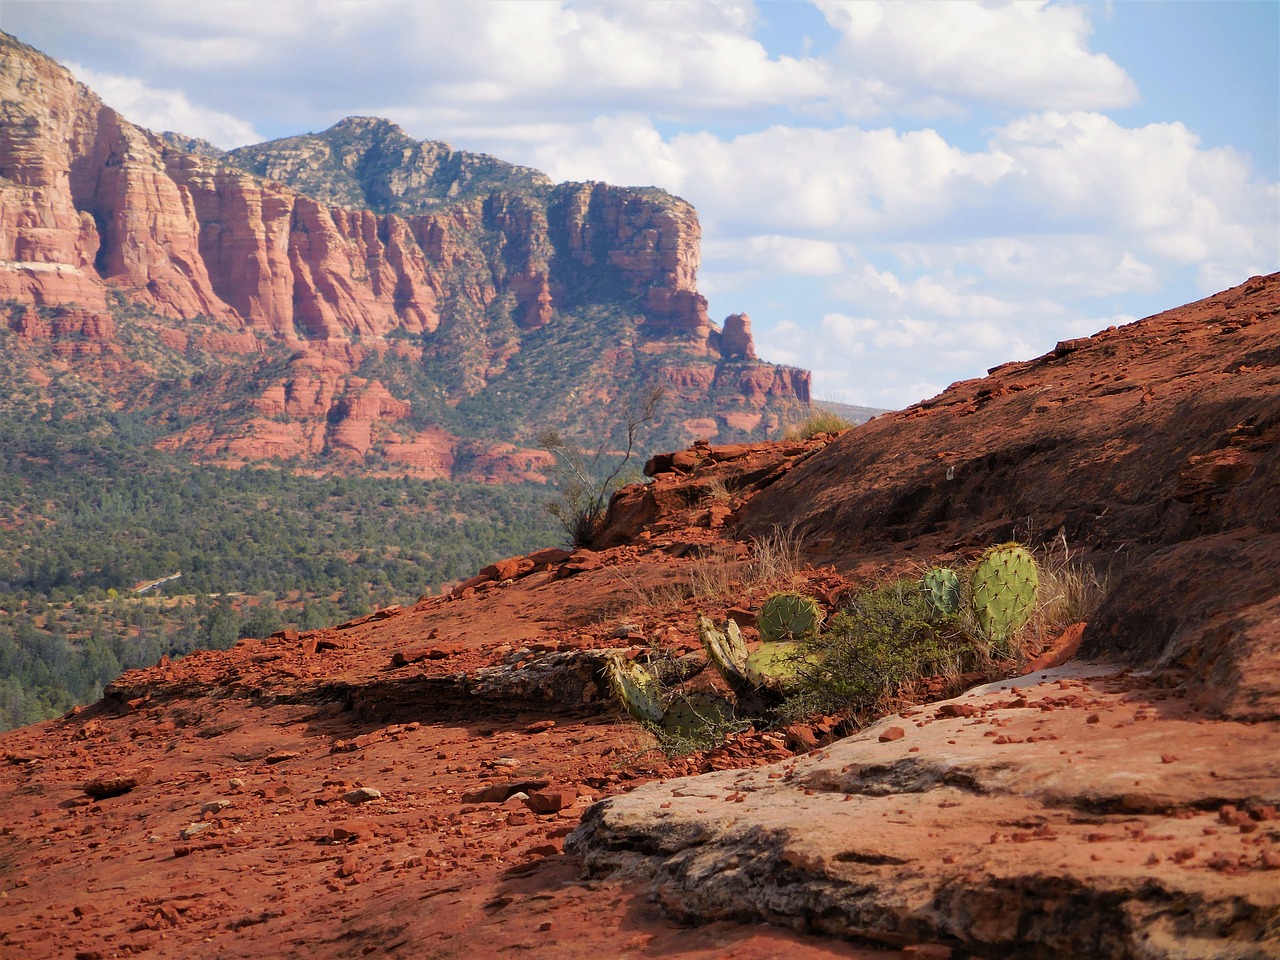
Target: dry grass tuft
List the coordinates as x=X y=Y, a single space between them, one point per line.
x=720 y=574
x=1071 y=590
x=818 y=422
x=717 y=492
x=775 y=559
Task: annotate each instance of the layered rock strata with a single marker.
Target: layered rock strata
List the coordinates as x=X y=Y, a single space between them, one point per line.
x=357 y=235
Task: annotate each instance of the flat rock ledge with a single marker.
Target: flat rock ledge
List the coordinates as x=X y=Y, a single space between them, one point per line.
x=1078 y=812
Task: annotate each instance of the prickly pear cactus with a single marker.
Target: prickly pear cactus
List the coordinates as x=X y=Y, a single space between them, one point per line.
x=1004 y=583
x=776 y=666
x=637 y=689
x=788 y=616
x=690 y=715
x=727 y=651
x=941 y=587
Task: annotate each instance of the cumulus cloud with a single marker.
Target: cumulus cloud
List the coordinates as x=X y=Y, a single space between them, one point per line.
x=509 y=59
x=936 y=56
x=1060 y=265
x=1155 y=184
x=894 y=355
x=843 y=182
x=162 y=110
x=797 y=256
x=1060 y=200
x=676 y=61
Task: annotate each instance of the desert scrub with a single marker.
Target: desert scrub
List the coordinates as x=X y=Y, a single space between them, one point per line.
x=819 y=422
x=1071 y=590
x=889 y=637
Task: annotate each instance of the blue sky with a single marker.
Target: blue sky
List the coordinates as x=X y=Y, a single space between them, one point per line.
x=899 y=194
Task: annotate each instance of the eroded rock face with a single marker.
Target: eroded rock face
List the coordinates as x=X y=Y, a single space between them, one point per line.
x=1155 y=446
x=95 y=202
x=361 y=237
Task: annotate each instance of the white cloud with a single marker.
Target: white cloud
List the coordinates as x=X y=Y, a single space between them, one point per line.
x=161 y=110
x=904 y=337
x=678 y=58
x=1154 y=185
x=935 y=56
x=511 y=61
x=798 y=256
x=515 y=60
x=845 y=182
x=1073 y=204
x=1054 y=265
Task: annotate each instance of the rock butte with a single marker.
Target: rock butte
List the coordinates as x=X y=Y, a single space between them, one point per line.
x=1123 y=804
x=468 y=264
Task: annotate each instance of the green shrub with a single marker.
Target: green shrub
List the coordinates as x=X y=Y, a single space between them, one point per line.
x=888 y=638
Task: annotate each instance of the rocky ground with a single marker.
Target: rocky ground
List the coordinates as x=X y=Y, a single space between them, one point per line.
x=451 y=779
x=399 y=786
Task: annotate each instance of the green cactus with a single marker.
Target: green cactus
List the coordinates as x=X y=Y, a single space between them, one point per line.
x=788 y=616
x=941 y=587
x=728 y=653
x=637 y=689
x=776 y=666
x=1004 y=585
x=691 y=715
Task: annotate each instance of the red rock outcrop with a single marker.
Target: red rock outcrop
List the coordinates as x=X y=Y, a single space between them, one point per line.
x=1154 y=444
x=735 y=339
x=94 y=202
x=93 y=208
x=86 y=204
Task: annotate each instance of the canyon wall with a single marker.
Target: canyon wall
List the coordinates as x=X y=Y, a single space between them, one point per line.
x=360 y=237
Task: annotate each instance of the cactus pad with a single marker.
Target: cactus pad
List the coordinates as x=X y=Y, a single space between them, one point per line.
x=1005 y=583
x=941 y=587
x=776 y=666
x=727 y=651
x=691 y=715
x=788 y=616
x=636 y=688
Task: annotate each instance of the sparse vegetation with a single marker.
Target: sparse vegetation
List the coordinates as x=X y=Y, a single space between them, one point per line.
x=586 y=480
x=772 y=563
x=895 y=643
x=818 y=422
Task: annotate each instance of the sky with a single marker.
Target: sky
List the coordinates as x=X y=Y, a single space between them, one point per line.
x=899 y=194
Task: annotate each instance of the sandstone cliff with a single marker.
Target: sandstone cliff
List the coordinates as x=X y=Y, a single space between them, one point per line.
x=456 y=274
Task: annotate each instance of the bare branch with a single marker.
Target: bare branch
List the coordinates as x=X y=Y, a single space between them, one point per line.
x=583 y=500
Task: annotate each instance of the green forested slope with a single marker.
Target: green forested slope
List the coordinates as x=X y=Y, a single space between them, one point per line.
x=84 y=517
